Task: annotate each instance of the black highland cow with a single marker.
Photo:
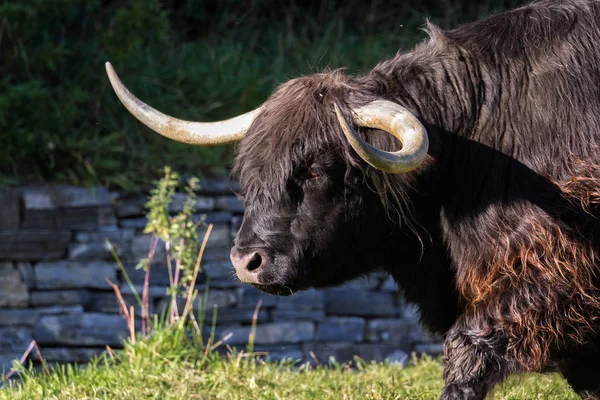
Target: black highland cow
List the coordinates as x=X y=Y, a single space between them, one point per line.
x=487 y=216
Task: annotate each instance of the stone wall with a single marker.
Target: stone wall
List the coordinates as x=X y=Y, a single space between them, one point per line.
x=55 y=263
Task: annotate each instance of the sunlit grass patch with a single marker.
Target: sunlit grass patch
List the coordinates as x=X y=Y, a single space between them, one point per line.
x=172 y=365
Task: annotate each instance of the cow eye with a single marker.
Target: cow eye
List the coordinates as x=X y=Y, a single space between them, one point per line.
x=313 y=173
x=308 y=175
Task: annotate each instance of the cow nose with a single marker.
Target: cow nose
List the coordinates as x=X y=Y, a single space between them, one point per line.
x=248 y=263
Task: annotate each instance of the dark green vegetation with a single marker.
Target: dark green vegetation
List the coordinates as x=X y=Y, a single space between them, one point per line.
x=194 y=59
x=168 y=365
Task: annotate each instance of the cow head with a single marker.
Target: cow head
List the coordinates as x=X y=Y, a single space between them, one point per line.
x=310 y=218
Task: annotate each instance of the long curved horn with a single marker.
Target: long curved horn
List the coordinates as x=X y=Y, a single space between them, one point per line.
x=198 y=133
x=394 y=119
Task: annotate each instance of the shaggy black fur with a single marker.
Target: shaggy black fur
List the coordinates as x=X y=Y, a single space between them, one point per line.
x=495 y=237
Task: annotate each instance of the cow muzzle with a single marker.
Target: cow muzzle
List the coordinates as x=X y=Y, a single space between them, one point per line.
x=248 y=263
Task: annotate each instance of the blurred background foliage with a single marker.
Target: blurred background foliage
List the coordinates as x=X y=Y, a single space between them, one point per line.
x=194 y=59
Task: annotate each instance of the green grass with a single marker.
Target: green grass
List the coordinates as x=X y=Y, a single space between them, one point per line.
x=169 y=365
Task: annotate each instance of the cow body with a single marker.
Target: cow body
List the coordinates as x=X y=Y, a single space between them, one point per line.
x=495 y=236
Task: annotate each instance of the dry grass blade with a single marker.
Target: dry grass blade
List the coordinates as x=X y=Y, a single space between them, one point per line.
x=252 y=335
x=131 y=324
x=33 y=345
x=188 y=301
x=122 y=304
x=220 y=342
x=145 y=294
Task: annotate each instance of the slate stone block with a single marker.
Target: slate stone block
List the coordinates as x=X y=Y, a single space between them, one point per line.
x=236 y=315
x=80 y=218
x=69 y=218
x=86 y=329
x=346 y=329
x=134 y=223
x=219 y=270
x=402 y=333
x=270 y=333
x=112 y=233
x=110 y=229
x=13 y=291
x=60 y=297
x=229 y=203
x=14 y=339
x=219 y=236
x=59 y=310
x=134 y=205
x=202 y=204
x=360 y=303
x=50 y=197
x=19 y=316
x=297 y=315
x=131 y=206
x=310 y=299
x=250 y=297
x=215 y=217
x=30 y=316
x=218 y=186
x=154 y=291
x=219 y=298
x=33 y=245
x=140 y=245
x=9 y=209
x=107 y=303
x=216 y=254
x=27 y=275
x=100 y=250
x=433 y=349
x=74 y=275
x=40 y=219
x=225 y=283
x=106 y=217
x=159 y=274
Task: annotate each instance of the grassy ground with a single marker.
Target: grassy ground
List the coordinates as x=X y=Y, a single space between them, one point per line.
x=170 y=365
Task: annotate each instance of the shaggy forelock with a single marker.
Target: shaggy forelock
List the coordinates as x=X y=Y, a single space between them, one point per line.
x=297 y=123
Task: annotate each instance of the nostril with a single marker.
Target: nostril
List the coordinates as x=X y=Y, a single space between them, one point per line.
x=255 y=262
